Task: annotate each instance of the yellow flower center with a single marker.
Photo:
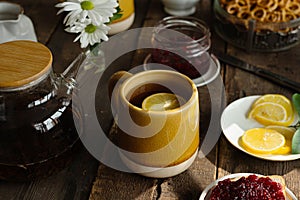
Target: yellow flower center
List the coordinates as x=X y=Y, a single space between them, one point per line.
x=87 y=5
x=90 y=28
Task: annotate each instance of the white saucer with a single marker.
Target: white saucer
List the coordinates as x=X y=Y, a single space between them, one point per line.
x=207 y=191
x=212 y=72
x=234 y=123
x=156 y=172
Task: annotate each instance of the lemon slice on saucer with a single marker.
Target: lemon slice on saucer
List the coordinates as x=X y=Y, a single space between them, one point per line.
x=262 y=141
x=162 y=102
x=272 y=109
x=269 y=113
x=287 y=132
x=274 y=98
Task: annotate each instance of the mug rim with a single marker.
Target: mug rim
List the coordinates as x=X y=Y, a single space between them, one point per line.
x=185 y=106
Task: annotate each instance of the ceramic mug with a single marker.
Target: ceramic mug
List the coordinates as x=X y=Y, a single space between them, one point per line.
x=155 y=143
x=180 y=7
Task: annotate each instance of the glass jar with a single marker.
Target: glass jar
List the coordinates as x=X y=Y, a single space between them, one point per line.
x=182 y=43
x=249 y=34
x=37 y=131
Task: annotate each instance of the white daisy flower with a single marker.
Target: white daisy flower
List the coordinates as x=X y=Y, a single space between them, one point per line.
x=99 y=11
x=89 y=34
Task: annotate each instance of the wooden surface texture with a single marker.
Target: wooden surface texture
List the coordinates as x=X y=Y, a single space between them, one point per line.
x=85 y=178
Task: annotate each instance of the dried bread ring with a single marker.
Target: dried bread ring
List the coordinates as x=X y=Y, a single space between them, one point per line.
x=287 y=15
x=282 y=3
x=232 y=9
x=244 y=15
x=269 y=5
x=259 y=14
x=243 y=3
x=273 y=16
x=293 y=7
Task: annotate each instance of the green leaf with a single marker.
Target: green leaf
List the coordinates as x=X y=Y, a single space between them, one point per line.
x=296 y=102
x=117 y=15
x=296 y=142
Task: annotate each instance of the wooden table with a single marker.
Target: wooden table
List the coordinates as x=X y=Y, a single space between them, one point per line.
x=86 y=178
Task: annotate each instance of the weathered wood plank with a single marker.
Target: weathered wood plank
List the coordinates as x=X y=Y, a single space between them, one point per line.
x=111 y=184
x=74 y=182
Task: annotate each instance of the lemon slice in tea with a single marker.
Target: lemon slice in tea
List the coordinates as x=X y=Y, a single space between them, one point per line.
x=162 y=102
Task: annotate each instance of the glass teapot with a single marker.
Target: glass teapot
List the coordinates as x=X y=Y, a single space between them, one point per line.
x=37 y=132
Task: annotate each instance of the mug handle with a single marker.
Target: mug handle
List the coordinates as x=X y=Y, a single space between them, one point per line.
x=117 y=78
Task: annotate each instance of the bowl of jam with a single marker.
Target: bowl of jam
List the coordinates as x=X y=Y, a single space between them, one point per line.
x=263 y=26
x=247 y=186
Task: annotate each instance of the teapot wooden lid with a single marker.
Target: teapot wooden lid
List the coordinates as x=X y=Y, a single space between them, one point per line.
x=23 y=62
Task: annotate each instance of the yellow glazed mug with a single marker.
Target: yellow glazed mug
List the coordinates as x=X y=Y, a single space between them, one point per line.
x=155 y=143
x=124 y=23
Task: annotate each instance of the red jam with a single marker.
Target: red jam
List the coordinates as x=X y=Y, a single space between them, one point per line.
x=183 y=44
x=248 y=188
x=193 y=68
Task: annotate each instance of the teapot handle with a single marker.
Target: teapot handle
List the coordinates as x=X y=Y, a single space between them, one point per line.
x=66 y=82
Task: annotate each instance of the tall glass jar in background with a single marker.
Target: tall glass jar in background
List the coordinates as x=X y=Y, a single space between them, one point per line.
x=182 y=43
x=127 y=19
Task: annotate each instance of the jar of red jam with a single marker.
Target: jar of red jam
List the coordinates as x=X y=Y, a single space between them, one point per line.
x=182 y=43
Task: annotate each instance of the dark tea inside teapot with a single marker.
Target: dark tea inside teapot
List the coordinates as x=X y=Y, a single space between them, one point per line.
x=37 y=132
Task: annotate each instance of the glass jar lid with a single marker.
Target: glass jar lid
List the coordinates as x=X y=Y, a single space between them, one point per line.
x=23 y=63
